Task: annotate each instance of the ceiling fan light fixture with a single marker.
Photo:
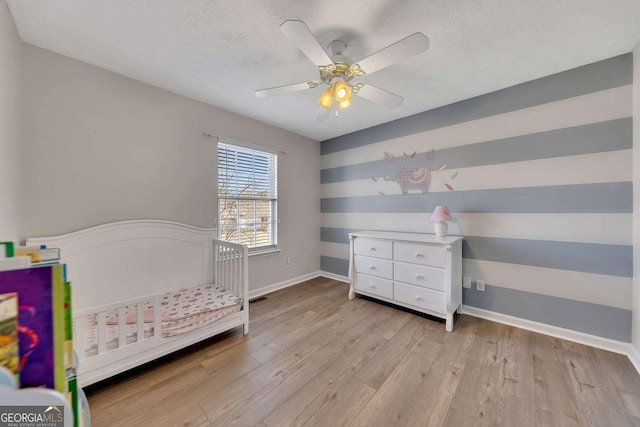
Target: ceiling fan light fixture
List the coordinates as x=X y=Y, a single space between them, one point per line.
x=326 y=99
x=342 y=91
x=344 y=104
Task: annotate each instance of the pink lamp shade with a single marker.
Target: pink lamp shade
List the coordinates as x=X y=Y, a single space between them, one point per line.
x=441 y=213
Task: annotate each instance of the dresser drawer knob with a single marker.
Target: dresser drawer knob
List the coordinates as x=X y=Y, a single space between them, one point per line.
x=372 y=267
x=372 y=249
x=419 y=298
x=419 y=255
x=419 y=277
x=372 y=286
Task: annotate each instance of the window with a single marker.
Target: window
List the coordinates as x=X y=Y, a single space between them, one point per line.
x=247 y=196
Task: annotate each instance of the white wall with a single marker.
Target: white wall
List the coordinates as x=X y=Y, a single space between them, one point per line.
x=100 y=147
x=9 y=127
x=636 y=199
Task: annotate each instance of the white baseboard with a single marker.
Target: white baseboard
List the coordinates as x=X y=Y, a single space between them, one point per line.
x=334 y=276
x=295 y=281
x=281 y=285
x=554 y=331
x=634 y=357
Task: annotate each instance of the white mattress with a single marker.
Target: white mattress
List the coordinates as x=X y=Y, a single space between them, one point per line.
x=181 y=312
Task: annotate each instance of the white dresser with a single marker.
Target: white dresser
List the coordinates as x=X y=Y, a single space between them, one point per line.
x=422 y=272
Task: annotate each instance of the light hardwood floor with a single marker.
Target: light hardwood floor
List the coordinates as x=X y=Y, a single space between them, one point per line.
x=315 y=358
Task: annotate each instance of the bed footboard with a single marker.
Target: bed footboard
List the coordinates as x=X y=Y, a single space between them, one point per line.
x=231 y=266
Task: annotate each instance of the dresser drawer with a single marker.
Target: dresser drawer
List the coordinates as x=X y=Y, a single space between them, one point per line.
x=420 y=297
x=419 y=275
x=374 y=248
x=374 y=266
x=373 y=285
x=433 y=255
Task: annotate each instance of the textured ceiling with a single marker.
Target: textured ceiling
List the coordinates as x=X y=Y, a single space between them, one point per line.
x=221 y=51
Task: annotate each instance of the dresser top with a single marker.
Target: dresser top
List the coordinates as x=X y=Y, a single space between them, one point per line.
x=407 y=237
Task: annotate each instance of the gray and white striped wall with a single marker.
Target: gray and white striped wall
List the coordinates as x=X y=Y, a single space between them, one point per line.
x=541 y=175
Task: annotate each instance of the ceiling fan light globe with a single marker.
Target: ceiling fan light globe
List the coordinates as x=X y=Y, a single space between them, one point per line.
x=344 y=104
x=343 y=92
x=326 y=99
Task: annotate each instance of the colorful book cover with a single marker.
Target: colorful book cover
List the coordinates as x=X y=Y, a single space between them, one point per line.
x=6 y=249
x=41 y=324
x=9 y=332
x=69 y=362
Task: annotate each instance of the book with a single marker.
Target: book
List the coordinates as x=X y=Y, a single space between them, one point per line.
x=71 y=392
x=6 y=249
x=38 y=254
x=9 y=332
x=41 y=324
x=15 y=263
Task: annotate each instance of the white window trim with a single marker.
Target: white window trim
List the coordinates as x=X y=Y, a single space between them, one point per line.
x=259 y=250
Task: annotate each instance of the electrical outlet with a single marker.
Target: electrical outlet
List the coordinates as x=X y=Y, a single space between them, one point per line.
x=466 y=282
x=480 y=285
x=287 y=262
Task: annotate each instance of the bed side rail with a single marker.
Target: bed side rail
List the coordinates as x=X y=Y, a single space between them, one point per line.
x=98 y=315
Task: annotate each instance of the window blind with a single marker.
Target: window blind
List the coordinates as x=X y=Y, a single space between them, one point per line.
x=247 y=196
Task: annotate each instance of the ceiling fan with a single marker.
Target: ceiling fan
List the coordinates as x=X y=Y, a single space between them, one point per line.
x=339 y=72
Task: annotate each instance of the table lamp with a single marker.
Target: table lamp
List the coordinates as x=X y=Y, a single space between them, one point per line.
x=440 y=217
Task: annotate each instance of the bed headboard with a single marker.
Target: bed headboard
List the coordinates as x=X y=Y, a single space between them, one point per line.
x=129 y=259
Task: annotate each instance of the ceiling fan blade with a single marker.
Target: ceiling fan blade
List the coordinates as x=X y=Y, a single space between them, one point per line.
x=323 y=114
x=414 y=44
x=280 y=90
x=380 y=96
x=302 y=36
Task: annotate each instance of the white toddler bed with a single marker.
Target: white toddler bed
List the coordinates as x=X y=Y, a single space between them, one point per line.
x=143 y=289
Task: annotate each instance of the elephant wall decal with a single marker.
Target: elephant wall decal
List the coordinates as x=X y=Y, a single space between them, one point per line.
x=411 y=178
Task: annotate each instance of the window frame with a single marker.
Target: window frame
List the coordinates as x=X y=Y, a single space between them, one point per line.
x=272 y=197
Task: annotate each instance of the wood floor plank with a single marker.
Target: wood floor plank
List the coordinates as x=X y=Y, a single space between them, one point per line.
x=291 y=354
x=343 y=405
x=316 y=358
x=376 y=371
x=515 y=386
x=277 y=392
x=346 y=315
x=388 y=406
x=314 y=395
x=395 y=323
x=458 y=419
x=476 y=393
x=125 y=387
x=625 y=379
x=554 y=398
x=597 y=399
x=430 y=404
x=267 y=398
x=157 y=397
x=188 y=414
x=455 y=350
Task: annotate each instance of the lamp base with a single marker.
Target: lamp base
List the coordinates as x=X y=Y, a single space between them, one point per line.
x=440 y=228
